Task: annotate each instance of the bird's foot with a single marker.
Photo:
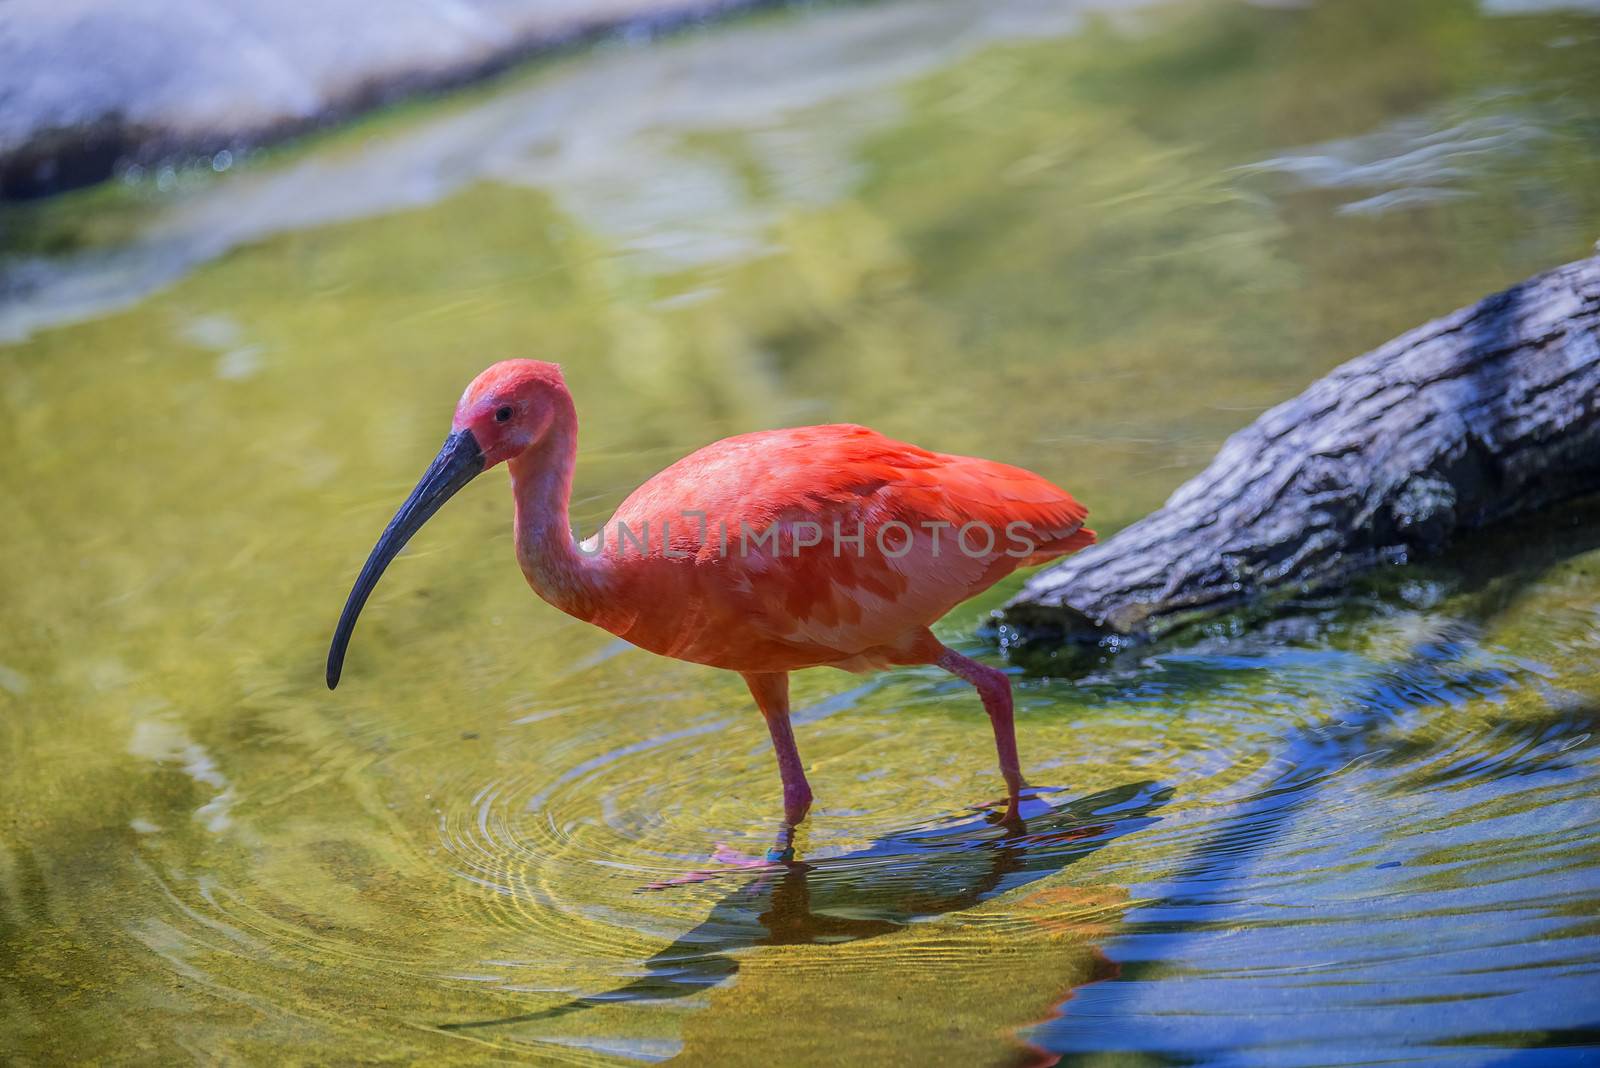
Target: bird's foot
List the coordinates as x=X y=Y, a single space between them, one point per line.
x=782 y=850
x=1012 y=810
x=726 y=854
x=1010 y=815
x=723 y=854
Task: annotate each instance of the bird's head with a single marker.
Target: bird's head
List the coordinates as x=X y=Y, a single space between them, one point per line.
x=506 y=411
x=509 y=408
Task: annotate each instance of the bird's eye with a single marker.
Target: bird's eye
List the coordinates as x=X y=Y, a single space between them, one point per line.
x=502 y=414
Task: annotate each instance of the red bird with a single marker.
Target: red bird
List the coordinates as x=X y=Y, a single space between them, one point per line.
x=820 y=546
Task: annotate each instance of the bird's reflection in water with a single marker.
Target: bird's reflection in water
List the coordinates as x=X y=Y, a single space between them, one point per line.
x=896 y=881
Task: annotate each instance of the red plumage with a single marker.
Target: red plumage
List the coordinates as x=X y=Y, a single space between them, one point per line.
x=762 y=553
x=905 y=535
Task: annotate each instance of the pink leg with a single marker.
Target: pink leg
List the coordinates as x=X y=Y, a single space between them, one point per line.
x=995 y=690
x=771 y=691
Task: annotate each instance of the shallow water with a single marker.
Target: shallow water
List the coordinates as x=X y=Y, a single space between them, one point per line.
x=1089 y=239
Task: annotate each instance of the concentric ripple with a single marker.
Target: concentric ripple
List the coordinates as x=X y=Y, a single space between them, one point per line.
x=1361 y=831
x=1247 y=852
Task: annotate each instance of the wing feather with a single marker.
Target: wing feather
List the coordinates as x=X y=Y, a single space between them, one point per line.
x=824 y=542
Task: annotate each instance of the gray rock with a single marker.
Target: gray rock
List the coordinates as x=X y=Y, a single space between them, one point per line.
x=87 y=85
x=579 y=134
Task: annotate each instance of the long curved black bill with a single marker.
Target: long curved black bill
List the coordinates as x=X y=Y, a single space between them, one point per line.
x=458 y=462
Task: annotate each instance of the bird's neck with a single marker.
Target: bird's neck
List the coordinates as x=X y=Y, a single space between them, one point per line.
x=541 y=481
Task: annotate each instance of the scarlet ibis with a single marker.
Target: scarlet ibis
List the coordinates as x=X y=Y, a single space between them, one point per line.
x=817 y=546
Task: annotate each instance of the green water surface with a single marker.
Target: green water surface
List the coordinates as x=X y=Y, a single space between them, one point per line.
x=1088 y=239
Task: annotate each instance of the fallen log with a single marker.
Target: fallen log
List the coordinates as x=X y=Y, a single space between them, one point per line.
x=1488 y=413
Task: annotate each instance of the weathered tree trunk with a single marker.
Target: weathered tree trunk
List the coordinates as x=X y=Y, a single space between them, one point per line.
x=1484 y=414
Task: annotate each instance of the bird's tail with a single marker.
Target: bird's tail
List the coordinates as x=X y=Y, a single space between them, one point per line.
x=1081 y=538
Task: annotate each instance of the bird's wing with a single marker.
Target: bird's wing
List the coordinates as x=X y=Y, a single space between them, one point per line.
x=840 y=538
